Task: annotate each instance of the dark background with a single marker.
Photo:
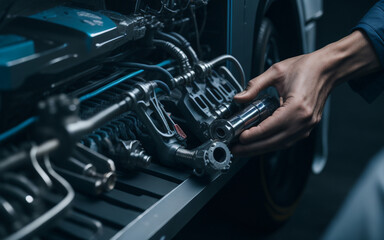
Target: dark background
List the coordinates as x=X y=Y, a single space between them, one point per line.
x=356 y=133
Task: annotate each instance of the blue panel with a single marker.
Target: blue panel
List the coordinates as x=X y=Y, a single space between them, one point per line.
x=229 y=26
x=14 y=47
x=88 y=22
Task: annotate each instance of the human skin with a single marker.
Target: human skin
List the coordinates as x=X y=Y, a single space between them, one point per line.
x=304 y=84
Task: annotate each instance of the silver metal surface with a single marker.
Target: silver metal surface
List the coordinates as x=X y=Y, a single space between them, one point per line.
x=253 y=114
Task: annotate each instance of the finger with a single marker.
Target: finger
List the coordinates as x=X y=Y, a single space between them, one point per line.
x=274 y=143
x=255 y=86
x=279 y=121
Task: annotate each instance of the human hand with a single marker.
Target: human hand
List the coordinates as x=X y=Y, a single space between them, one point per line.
x=303 y=83
x=303 y=93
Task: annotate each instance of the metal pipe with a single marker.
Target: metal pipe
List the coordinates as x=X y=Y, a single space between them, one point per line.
x=227 y=129
x=18 y=159
x=212 y=156
x=205 y=67
x=231 y=78
x=85 y=184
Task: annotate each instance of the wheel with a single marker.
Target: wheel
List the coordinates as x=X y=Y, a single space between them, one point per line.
x=265 y=193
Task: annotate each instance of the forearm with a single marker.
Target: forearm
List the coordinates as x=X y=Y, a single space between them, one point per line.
x=349 y=58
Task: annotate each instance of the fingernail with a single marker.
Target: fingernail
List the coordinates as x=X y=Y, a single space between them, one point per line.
x=240 y=94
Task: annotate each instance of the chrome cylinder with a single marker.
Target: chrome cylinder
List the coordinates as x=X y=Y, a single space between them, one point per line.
x=227 y=129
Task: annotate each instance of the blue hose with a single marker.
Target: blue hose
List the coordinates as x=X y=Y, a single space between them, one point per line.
x=17 y=128
x=117 y=81
x=10 y=132
x=163 y=86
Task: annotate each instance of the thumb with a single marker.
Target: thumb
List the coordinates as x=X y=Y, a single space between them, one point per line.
x=254 y=87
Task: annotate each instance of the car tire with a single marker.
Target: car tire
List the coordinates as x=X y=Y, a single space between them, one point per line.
x=265 y=193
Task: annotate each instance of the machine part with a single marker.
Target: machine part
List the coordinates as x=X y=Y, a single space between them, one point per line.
x=76 y=166
x=203 y=69
x=85 y=184
x=231 y=78
x=26 y=201
x=92 y=224
x=102 y=163
x=227 y=129
x=176 y=52
x=96 y=165
x=181 y=42
x=208 y=158
x=83 y=127
x=22 y=182
x=9 y=216
x=52 y=214
x=147 y=67
x=17 y=160
x=190 y=51
x=131 y=155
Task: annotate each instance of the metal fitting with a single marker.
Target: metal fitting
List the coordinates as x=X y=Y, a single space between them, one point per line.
x=208 y=158
x=132 y=155
x=227 y=129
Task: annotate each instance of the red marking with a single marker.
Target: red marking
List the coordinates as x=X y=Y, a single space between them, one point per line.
x=180 y=131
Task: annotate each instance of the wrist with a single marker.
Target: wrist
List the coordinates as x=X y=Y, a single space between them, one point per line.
x=349 y=58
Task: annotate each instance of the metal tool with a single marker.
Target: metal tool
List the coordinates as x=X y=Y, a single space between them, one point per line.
x=226 y=130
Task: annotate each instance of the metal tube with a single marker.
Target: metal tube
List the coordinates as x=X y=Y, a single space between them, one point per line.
x=223 y=59
x=85 y=184
x=227 y=129
x=18 y=159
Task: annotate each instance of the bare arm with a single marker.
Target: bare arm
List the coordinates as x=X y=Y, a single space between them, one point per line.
x=304 y=83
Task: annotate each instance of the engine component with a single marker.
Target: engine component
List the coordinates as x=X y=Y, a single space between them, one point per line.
x=104 y=109
x=227 y=129
x=131 y=155
x=209 y=157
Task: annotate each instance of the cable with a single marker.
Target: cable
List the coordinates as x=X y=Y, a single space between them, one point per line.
x=97 y=83
x=114 y=83
x=137 y=6
x=169 y=37
x=163 y=86
x=5 y=135
x=160 y=110
x=51 y=214
x=231 y=79
x=235 y=62
x=202 y=28
x=156 y=105
x=37 y=167
x=196 y=31
x=181 y=42
x=147 y=67
x=190 y=51
x=186 y=5
x=175 y=52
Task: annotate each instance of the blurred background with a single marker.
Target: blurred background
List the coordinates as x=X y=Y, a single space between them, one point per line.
x=356 y=134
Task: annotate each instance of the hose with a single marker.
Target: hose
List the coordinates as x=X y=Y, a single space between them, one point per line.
x=175 y=52
x=231 y=78
x=224 y=58
x=181 y=42
x=149 y=67
x=53 y=213
x=163 y=86
x=192 y=54
x=18 y=159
